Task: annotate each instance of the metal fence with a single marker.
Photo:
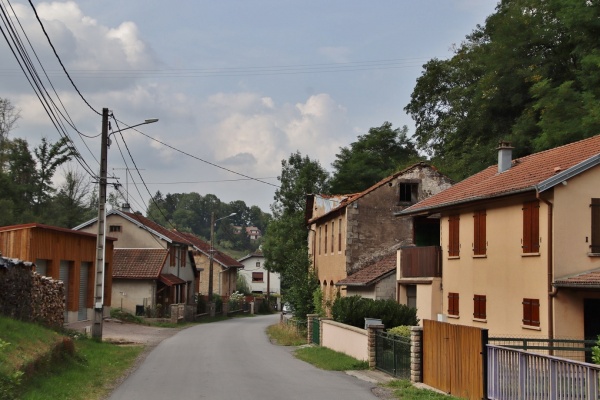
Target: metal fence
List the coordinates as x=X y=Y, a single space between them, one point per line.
x=392 y=354
x=316 y=331
x=517 y=374
x=573 y=349
x=299 y=325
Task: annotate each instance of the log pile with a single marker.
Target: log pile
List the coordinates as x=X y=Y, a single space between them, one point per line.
x=27 y=296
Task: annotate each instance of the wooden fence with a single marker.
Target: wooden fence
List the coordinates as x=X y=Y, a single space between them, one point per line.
x=454 y=359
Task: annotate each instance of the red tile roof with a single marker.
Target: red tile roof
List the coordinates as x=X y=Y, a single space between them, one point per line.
x=589 y=279
x=353 y=197
x=138 y=263
x=372 y=273
x=524 y=174
x=221 y=258
x=170 y=279
x=173 y=235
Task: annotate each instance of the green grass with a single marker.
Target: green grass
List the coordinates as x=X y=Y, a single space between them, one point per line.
x=403 y=389
x=324 y=358
x=285 y=335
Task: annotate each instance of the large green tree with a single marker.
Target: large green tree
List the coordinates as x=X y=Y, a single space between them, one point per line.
x=529 y=75
x=285 y=244
x=372 y=157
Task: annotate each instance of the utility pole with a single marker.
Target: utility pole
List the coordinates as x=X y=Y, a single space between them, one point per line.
x=101 y=237
x=210 y=265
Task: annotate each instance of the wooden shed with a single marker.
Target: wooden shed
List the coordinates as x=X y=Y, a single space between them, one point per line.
x=62 y=254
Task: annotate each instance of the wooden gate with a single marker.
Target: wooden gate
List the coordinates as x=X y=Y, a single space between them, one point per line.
x=453 y=358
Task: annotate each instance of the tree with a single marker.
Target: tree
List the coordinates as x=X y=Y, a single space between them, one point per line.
x=529 y=75
x=72 y=204
x=371 y=158
x=285 y=244
x=9 y=115
x=22 y=175
x=49 y=157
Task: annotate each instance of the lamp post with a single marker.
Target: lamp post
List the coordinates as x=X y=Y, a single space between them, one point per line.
x=101 y=238
x=210 y=262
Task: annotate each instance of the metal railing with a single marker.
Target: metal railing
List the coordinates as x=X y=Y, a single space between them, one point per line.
x=517 y=374
x=574 y=349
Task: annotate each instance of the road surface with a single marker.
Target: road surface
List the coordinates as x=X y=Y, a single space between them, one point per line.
x=234 y=360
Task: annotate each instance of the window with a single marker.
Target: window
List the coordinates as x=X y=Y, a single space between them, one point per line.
x=479 y=241
x=183 y=256
x=114 y=228
x=453 y=236
x=409 y=192
x=531 y=227
x=332 y=236
x=453 y=304
x=257 y=277
x=320 y=238
x=595 y=206
x=325 y=247
x=340 y=234
x=258 y=264
x=172 y=256
x=531 y=312
x=479 y=307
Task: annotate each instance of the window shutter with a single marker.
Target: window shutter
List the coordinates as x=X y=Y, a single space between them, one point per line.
x=453 y=236
x=183 y=256
x=535 y=312
x=595 y=206
x=479 y=238
x=453 y=303
x=172 y=256
x=479 y=306
x=527 y=228
x=531 y=227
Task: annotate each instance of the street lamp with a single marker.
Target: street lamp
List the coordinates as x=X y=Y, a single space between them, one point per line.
x=101 y=238
x=211 y=256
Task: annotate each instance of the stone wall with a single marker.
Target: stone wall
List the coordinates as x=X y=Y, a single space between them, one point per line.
x=27 y=296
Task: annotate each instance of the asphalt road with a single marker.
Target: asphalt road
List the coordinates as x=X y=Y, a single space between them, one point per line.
x=234 y=360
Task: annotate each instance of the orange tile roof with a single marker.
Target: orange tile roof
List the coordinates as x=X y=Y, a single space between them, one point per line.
x=524 y=175
x=170 y=280
x=221 y=258
x=138 y=263
x=372 y=273
x=589 y=279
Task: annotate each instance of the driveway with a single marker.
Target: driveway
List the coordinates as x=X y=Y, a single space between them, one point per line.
x=116 y=331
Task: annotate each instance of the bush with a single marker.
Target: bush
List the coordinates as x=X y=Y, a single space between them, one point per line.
x=353 y=310
x=236 y=301
x=401 y=330
x=596 y=352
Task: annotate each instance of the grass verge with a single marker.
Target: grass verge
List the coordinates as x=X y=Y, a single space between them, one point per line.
x=324 y=358
x=403 y=389
x=285 y=335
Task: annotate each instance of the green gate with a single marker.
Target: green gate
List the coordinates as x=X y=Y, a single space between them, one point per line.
x=392 y=354
x=316 y=331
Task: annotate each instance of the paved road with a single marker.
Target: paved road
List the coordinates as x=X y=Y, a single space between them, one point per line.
x=233 y=360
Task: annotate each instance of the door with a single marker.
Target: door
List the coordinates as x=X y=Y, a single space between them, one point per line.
x=591 y=322
x=83 y=291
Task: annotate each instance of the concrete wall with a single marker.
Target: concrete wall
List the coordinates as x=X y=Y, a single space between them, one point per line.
x=136 y=292
x=345 y=339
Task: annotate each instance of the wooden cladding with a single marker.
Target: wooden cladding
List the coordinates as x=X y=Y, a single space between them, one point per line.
x=531 y=227
x=421 y=262
x=595 y=207
x=453 y=358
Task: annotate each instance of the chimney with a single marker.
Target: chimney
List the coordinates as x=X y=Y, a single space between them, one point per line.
x=125 y=207
x=504 y=156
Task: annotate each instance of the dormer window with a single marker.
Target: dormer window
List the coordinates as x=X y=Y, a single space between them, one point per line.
x=409 y=192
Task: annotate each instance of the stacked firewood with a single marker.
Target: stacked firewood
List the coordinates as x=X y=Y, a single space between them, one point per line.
x=27 y=296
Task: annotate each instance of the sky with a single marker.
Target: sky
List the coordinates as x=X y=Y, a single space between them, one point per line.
x=237 y=86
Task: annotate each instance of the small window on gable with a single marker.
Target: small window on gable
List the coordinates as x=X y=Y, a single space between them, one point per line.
x=114 y=228
x=409 y=193
x=257 y=277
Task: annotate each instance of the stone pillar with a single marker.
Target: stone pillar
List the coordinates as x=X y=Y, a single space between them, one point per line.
x=225 y=308
x=416 y=354
x=211 y=309
x=309 y=326
x=372 y=342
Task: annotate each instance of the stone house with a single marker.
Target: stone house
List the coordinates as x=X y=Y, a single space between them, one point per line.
x=351 y=232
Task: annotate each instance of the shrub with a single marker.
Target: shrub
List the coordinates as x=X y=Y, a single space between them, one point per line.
x=236 y=300
x=596 y=352
x=401 y=330
x=353 y=310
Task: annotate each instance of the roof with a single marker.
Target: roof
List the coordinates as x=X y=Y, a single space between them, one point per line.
x=252 y=255
x=222 y=258
x=536 y=172
x=372 y=273
x=138 y=263
x=170 y=279
x=349 y=199
x=143 y=222
x=583 y=280
x=49 y=227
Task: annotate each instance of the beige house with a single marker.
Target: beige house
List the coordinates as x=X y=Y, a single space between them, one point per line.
x=351 y=232
x=225 y=268
x=521 y=244
x=152 y=265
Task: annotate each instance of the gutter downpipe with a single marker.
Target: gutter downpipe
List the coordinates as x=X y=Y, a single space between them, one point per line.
x=552 y=292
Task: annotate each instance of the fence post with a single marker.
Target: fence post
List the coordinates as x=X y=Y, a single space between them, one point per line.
x=309 y=327
x=372 y=331
x=484 y=360
x=416 y=351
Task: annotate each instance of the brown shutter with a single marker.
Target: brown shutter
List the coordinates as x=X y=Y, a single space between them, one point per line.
x=535 y=312
x=453 y=303
x=183 y=256
x=535 y=227
x=595 y=206
x=526 y=312
x=172 y=256
x=479 y=238
x=527 y=228
x=453 y=236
